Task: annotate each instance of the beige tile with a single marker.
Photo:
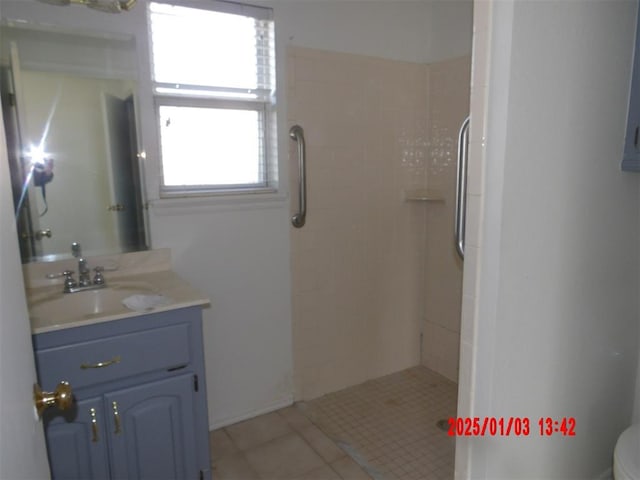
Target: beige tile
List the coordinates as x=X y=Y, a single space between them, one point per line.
x=377 y=103
x=349 y=469
x=284 y=458
x=322 y=444
x=323 y=473
x=408 y=116
x=258 y=430
x=294 y=418
x=234 y=467
x=221 y=444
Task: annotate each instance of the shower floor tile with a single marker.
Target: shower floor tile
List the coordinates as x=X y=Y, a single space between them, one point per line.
x=388 y=425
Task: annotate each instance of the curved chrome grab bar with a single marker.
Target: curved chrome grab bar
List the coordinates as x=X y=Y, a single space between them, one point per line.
x=297 y=134
x=461 y=187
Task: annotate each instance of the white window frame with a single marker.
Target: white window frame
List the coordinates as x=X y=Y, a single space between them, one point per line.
x=263 y=102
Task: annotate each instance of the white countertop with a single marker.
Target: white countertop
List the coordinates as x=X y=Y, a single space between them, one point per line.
x=50 y=309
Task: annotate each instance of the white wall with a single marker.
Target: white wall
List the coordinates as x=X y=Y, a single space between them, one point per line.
x=412 y=31
x=239 y=256
x=556 y=324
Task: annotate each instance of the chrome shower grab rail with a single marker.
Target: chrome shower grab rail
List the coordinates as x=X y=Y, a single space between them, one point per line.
x=461 y=187
x=297 y=134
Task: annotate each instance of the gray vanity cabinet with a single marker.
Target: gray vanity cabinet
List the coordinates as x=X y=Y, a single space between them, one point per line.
x=140 y=410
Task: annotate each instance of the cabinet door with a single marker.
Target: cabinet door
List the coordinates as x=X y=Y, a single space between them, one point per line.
x=152 y=430
x=77 y=441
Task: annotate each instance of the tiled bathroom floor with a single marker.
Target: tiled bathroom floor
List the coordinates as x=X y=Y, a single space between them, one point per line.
x=383 y=429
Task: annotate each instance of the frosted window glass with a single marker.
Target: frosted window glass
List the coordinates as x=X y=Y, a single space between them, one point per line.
x=210 y=146
x=202 y=47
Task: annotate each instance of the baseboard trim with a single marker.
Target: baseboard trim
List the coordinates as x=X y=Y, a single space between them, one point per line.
x=223 y=422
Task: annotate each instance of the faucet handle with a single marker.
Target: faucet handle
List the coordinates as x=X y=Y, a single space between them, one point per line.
x=69 y=282
x=76 y=250
x=98 y=279
x=66 y=273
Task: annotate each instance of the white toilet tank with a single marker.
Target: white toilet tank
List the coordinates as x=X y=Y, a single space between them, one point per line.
x=626 y=456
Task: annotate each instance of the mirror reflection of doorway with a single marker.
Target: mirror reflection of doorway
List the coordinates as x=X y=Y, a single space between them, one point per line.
x=126 y=205
x=95 y=195
x=28 y=224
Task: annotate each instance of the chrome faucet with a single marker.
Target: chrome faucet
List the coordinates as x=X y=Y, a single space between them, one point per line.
x=84 y=274
x=84 y=279
x=76 y=250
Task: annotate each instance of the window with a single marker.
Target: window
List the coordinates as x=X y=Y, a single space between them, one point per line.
x=213 y=81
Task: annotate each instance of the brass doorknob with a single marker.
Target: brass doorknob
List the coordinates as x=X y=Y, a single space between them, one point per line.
x=61 y=397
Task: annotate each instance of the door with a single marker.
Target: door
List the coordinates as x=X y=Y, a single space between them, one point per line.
x=19 y=164
x=22 y=447
x=125 y=179
x=152 y=430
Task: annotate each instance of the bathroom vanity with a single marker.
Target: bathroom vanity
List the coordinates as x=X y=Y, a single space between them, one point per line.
x=140 y=409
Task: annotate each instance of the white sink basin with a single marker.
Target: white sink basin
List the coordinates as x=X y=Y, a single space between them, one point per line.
x=53 y=305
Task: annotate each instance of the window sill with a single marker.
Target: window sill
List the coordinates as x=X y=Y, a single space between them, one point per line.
x=245 y=200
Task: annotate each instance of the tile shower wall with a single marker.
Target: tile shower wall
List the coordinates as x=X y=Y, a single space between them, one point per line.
x=369 y=265
x=448 y=107
x=357 y=265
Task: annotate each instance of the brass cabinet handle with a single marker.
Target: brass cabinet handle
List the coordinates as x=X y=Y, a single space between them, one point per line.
x=114 y=360
x=94 y=425
x=38 y=234
x=61 y=397
x=116 y=417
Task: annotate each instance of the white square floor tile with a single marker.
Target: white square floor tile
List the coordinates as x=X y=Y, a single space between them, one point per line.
x=388 y=425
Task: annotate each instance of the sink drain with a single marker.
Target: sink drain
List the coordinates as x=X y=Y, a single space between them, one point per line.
x=443 y=425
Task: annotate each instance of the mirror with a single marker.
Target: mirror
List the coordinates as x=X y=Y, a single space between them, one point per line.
x=68 y=104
